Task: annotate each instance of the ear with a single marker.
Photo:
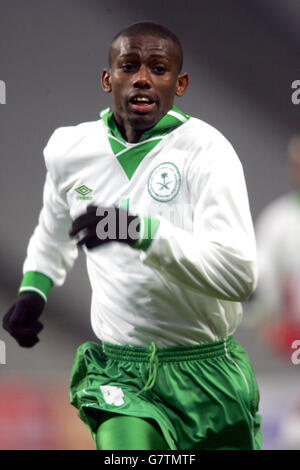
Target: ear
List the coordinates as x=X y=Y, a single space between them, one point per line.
x=183 y=81
x=106 y=81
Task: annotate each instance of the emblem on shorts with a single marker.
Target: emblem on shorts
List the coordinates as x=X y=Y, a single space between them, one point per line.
x=112 y=395
x=164 y=182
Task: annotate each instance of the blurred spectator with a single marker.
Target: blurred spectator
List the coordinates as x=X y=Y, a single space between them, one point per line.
x=277 y=300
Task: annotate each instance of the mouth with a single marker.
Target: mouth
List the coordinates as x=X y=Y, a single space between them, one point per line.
x=141 y=104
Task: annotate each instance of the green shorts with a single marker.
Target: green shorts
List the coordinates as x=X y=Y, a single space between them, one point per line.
x=201 y=397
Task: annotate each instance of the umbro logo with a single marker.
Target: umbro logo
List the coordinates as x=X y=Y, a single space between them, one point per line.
x=83 y=191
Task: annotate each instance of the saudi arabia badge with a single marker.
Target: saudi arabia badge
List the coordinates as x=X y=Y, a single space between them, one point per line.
x=164 y=182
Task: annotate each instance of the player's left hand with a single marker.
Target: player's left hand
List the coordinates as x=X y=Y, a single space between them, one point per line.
x=101 y=225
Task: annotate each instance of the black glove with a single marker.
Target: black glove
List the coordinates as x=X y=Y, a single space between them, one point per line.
x=113 y=224
x=21 y=320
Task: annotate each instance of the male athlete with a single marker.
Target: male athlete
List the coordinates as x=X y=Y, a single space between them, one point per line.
x=158 y=202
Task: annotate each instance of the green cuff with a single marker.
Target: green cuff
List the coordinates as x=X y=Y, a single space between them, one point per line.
x=148 y=229
x=36 y=282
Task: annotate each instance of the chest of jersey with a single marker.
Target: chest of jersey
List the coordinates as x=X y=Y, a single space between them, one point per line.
x=157 y=185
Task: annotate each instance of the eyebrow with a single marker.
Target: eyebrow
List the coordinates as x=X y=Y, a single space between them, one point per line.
x=131 y=54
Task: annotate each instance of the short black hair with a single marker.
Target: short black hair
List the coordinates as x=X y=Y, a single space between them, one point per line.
x=154 y=29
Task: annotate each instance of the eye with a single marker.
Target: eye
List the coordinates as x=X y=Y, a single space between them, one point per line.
x=159 y=69
x=128 y=67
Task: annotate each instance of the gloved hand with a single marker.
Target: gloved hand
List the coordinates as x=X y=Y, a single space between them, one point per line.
x=112 y=224
x=21 y=320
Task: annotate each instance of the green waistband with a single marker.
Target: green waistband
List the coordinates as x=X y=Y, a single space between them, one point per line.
x=170 y=354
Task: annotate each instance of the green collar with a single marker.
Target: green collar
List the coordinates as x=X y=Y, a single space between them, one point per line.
x=170 y=121
x=130 y=155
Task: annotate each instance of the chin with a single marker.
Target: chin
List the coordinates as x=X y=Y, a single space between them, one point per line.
x=143 y=122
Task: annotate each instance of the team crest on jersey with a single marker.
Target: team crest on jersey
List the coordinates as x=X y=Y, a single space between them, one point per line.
x=164 y=182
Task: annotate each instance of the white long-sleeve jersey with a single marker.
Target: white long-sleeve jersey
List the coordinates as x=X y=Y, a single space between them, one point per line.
x=278 y=243
x=187 y=287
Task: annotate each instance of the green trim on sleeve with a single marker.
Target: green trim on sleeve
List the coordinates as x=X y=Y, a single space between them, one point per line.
x=148 y=229
x=36 y=282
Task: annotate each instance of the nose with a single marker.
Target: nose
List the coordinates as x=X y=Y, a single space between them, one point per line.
x=142 y=78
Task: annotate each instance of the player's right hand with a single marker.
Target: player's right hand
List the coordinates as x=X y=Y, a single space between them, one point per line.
x=21 y=320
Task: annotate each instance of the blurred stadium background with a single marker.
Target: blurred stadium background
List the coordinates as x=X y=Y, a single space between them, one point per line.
x=243 y=57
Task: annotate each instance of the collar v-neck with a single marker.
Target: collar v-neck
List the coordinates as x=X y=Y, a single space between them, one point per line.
x=130 y=155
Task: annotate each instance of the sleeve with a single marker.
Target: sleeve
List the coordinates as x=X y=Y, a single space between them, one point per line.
x=218 y=258
x=51 y=252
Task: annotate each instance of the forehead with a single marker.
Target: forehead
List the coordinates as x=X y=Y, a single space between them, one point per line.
x=144 y=46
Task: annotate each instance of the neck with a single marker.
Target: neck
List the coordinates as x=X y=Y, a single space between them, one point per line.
x=129 y=133
x=131 y=130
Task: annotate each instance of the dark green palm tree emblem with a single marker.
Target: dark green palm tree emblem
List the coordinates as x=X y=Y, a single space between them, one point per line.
x=164 y=184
